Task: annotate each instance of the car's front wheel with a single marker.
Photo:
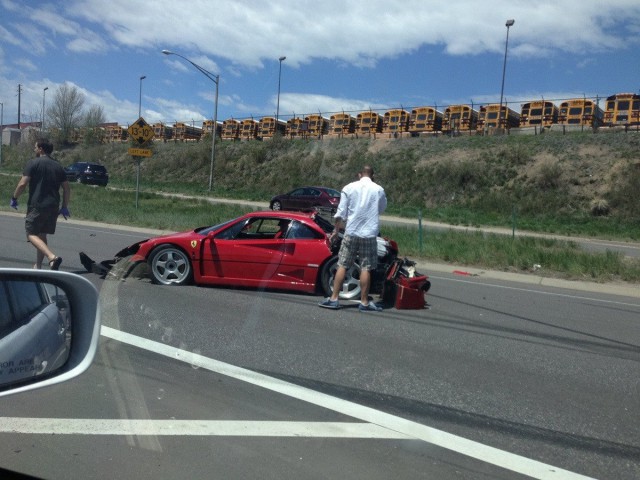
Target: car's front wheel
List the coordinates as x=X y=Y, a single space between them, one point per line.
x=170 y=266
x=276 y=205
x=350 y=289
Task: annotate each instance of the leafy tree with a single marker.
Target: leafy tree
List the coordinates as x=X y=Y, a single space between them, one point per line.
x=65 y=113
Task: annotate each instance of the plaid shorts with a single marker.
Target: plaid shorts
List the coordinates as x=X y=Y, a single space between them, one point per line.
x=366 y=249
x=41 y=220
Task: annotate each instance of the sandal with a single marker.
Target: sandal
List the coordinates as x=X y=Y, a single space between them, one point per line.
x=55 y=263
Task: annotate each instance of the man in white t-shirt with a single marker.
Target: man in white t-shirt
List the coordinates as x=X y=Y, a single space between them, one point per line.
x=361 y=203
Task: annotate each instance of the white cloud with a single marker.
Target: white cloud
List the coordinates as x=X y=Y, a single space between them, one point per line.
x=303 y=103
x=26 y=64
x=361 y=32
x=7 y=37
x=245 y=36
x=88 y=43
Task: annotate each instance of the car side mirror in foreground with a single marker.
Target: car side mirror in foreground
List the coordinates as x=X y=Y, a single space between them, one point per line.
x=49 y=328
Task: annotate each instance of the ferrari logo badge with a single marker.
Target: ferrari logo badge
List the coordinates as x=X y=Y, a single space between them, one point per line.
x=194 y=243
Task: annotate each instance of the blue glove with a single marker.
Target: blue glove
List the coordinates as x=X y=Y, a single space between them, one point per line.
x=14 y=203
x=64 y=211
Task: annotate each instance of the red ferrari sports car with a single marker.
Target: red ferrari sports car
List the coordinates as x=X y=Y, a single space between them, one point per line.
x=267 y=249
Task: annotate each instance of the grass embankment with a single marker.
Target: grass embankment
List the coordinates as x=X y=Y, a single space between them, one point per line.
x=557 y=258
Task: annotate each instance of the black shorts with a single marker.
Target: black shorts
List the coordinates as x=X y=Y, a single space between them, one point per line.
x=41 y=220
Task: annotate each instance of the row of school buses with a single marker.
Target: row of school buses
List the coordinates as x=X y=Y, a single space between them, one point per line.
x=621 y=110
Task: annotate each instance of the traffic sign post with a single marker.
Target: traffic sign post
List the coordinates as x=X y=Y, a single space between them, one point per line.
x=140 y=152
x=141 y=133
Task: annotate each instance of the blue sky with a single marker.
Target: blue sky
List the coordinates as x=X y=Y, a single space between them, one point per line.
x=341 y=55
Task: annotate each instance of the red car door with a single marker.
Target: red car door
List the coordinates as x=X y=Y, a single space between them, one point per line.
x=251 y=258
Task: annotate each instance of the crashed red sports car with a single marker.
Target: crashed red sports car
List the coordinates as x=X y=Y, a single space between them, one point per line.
x=266 y=249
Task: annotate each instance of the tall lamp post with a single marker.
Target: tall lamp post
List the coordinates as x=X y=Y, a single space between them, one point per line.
x=215 y=79
x=140 y=97
x=43 y=110
x=504 y=68
x=281 y=59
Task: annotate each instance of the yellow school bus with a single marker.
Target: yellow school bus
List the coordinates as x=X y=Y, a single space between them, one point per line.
x=368 y=122
x=297 y=128
x=341 y=124
x=459 y=118
x=395 y=121
x=116 y=133
x=248 y=129
x=267 y=127
x=230 y=129
x=425 y=120
x=580 y=112
x=539 y=113
x=488 y=117
x=207 y=127
x=318 y=125
x=162 y=132
x=622 y=109
x=185 y=132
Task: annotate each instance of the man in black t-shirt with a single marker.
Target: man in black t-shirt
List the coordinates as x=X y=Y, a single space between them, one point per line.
x=45 y=176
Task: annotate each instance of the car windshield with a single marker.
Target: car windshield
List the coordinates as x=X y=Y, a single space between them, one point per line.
x=332 y=193
x=213 y=228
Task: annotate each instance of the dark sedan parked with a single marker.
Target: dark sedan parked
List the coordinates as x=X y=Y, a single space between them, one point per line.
x=307 y=198
x=89 y=173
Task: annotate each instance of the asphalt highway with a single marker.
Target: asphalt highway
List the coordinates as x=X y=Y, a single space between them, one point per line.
x=504 y=377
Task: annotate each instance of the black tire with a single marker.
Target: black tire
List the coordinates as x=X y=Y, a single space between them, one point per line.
x=169 y=265
x=351 y=285
x=276 y=206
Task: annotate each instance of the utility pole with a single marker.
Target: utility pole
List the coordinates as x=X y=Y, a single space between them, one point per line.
x=19 y=92
x=43 y=110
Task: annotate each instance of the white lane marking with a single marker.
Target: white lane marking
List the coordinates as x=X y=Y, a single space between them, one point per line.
x=217 y=428
x=396 y=425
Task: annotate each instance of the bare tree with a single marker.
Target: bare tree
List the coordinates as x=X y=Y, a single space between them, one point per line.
x=92 y=121
x=65 y=113
x=94 y=117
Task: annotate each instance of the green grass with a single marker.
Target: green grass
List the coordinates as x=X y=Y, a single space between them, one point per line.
x=502 y=252
x=521 y=254
x=543 y=183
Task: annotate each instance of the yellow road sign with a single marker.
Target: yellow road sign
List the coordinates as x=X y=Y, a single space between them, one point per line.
x=140 y=131
x=140 y=152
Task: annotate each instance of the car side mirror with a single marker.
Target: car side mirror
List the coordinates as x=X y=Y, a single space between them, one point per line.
x=49 y=328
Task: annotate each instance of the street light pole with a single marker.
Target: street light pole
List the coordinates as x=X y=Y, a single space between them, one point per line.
x=140 y=97
x=215 y=79
x=281 y=59
x=43 y=110
x=504 y=68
